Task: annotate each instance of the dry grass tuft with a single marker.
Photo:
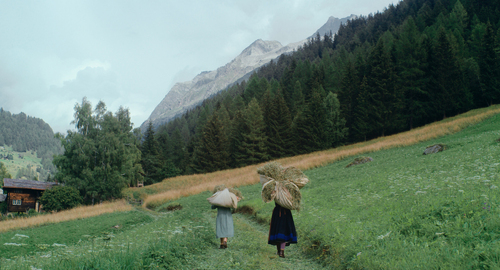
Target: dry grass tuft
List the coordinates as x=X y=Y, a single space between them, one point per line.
x=72 y=214
x=174 y=188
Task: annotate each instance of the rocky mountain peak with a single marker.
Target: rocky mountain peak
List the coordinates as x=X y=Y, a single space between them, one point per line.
x=260 y=47
x=186 y=95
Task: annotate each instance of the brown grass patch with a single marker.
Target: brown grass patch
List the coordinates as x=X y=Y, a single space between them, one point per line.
x=72 y=214
x=245 y=209
x=174 y=188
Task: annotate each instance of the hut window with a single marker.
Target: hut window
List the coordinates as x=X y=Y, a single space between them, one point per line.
x=16 y=202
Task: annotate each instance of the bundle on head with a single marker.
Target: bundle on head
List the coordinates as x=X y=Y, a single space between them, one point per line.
x=271 y=169
x=224 y=198
x=235 y=191
x=282 y=185
x=274 y=171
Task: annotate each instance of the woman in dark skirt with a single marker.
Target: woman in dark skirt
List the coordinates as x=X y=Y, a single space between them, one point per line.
x=282 y=231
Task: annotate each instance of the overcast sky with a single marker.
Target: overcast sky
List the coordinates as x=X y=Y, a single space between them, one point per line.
x=130 y=53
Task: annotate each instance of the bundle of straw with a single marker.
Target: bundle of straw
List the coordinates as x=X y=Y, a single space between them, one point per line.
x=282 y=184
x=295 y=176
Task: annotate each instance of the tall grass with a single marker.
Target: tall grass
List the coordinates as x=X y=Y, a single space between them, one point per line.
x=72 y=214
x=174 y=188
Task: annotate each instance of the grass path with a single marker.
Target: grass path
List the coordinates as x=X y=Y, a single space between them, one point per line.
x=251 y=238
x=191 y=230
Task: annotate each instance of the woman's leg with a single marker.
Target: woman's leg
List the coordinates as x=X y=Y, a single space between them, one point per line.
x=281 y=252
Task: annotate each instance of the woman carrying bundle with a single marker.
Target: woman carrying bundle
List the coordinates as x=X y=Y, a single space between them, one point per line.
x=283 y=186
x=223 y=200
x=282 y=230
x=224 y=227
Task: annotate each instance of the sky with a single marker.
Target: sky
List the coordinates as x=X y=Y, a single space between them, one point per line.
x=131 y=53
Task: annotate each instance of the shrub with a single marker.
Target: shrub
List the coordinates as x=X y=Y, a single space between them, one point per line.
x=60 y=198
x=3 y=207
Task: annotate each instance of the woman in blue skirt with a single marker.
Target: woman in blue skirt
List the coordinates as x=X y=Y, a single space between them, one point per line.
x=282 y=231
x=224 y=227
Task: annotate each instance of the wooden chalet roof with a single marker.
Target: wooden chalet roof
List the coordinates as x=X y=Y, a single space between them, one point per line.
x=2 y=197
x=27 y=184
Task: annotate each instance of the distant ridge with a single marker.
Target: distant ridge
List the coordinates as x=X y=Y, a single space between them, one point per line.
x=186 y=95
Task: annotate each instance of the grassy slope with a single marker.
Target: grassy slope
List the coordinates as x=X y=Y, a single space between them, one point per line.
x=401 y=211
x=14 y=165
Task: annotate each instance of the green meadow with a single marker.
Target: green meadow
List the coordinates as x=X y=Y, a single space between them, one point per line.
x=21 y=160
x=403 y=210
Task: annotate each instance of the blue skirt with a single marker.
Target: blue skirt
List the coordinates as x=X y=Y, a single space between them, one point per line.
x=224 y=224
x=282 y=228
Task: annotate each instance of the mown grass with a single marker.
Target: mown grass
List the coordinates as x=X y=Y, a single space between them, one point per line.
x=174 y=188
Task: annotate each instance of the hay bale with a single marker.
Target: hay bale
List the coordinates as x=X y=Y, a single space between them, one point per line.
x=359 y=160
x=436 y=148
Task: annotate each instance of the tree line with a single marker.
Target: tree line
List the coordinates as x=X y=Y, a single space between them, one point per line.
x=412 y=64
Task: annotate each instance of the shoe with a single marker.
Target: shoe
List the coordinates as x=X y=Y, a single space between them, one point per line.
x=282 y=253
x=221 y=247
x=225 y=244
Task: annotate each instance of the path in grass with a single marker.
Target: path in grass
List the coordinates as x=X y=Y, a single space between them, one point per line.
x=190 y=232
x=249 y=249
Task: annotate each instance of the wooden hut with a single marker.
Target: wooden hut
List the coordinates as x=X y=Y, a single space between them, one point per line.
x=23 y=195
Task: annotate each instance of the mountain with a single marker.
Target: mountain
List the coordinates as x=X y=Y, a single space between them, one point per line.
x=333 y=25
x=186 y=95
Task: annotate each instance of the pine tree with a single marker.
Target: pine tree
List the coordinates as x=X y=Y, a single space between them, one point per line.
x=335 y=130
x=239 y=128
x=309 y=126
x=411 y=79
x=348 y=92
x=385 y=97
x=150 y=158
x=278 y=122
x=253 y=145
x=361 y=127
x=449 y=95
x=489 y=67
x=212 y=154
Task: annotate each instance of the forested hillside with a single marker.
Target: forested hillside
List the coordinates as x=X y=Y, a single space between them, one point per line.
x=25 y=133
x=412 y=64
